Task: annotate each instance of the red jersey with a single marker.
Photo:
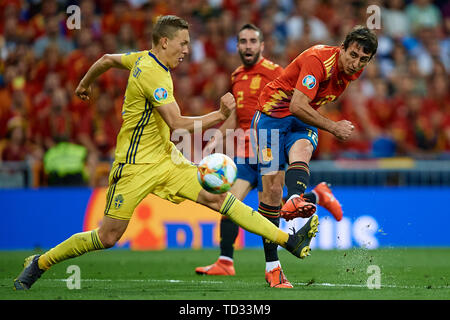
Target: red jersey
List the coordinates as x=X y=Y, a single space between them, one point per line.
x=246 y=85
x=315 y=73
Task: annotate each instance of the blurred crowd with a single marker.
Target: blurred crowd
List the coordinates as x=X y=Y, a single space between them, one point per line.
x=400 y=106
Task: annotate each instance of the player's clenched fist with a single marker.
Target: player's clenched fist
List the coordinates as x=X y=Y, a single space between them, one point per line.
x=227 y=104
x=343 y=129
x=82 y=92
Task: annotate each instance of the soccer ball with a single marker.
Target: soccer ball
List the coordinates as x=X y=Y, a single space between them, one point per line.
x=217 y=173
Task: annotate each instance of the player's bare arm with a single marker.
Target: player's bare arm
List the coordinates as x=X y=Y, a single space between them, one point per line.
x=172 y=115
x=102 y=65
x=229 y=123
x=300 y=107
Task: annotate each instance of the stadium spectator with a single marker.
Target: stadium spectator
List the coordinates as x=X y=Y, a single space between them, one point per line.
x=423 y=13
x=97 y=132
x=51 y=62
x=351 y=108
x=126 y=41
x=329 y=148
x=97 y=129
x=52 y=35
x=303 y=23
x=9 y=36
x=120 y=14
x=395 y=20
x=40 y=13
x=446 y=136
x=64 y=164
x=91 y=22
x=437 y=104
x=57 y=124
x=380 y=113
x=15 y=101
x=17 y=146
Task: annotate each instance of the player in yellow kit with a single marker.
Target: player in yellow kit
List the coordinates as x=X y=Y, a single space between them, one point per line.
x=147 y=162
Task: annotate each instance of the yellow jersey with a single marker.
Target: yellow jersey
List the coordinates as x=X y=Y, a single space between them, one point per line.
x=144 y=136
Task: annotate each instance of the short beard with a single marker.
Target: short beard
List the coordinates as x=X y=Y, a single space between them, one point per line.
x=252 y=62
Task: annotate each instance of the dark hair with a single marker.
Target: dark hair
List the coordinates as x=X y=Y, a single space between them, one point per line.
x=167 y=26
x=364 y=37
x=251 y=26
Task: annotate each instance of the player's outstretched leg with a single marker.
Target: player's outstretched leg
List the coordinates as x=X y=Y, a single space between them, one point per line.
x=78 y=244
x=242 y=215
x=250 y=220
x=298 y=242
x=74 y=246
x=30 y=273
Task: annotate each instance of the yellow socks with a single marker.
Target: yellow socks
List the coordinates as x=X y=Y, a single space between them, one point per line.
x=251 y=220
x=75 y=246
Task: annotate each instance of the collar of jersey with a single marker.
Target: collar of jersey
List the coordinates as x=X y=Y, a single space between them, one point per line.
x=159 y=62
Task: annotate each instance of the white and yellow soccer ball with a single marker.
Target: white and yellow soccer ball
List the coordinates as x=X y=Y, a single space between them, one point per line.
x=217 y=173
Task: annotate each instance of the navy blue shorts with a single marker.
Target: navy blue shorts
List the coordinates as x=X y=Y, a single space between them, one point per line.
x=247 y=169
x=275 y=137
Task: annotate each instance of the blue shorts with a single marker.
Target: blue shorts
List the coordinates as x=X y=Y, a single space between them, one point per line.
x=275 y=137
x=247 y=169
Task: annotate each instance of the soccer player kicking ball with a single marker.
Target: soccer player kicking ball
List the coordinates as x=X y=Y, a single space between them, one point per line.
x=288 y=109
x=247 y=83
x=146 y=161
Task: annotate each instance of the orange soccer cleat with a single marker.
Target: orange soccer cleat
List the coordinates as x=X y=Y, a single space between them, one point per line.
x=276 y=279
x=221 y=267
x=297 y=207
x=328 y=201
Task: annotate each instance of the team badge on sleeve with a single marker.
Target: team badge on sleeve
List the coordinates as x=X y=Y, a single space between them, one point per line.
x=160 y=94
x=309 y=81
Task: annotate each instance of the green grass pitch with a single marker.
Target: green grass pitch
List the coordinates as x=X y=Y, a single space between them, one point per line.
x=413 y=273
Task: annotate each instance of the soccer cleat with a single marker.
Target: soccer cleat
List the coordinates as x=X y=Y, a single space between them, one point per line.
x=298 y=242
x=328 y=201
x=219 y=268
x=29 y=274
x=276 y=279
x=297 y=207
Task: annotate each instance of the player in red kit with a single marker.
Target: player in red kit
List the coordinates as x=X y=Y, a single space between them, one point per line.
x=248 y=80
x=287 y=114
